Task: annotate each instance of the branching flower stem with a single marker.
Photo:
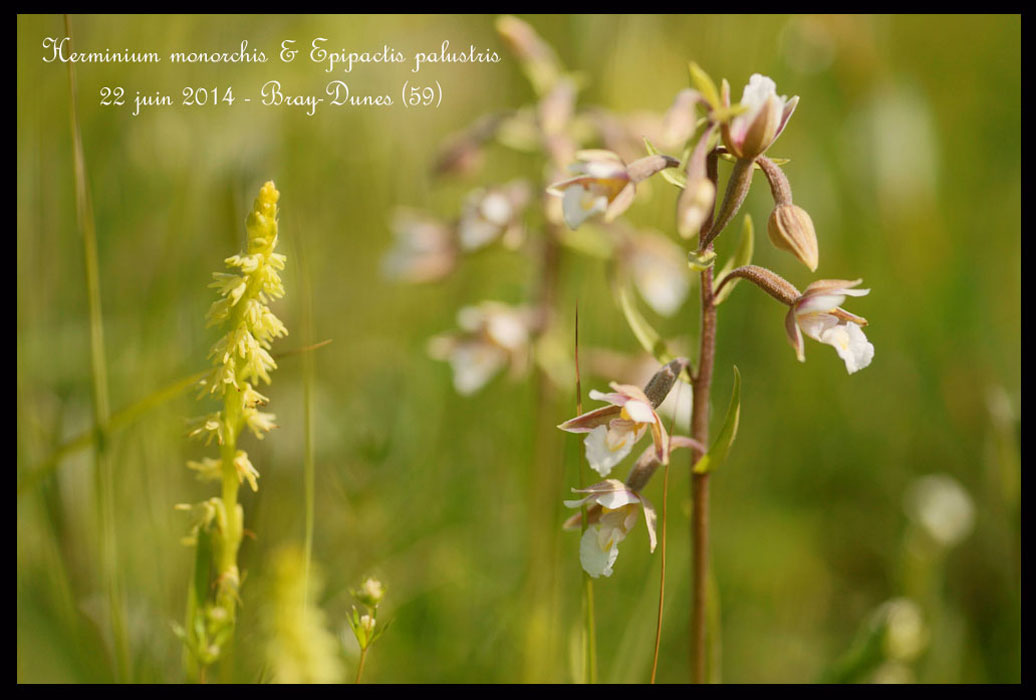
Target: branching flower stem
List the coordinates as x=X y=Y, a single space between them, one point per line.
x=737 y=189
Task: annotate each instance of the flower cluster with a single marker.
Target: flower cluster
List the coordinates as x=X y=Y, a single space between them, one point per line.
x=601 y=184
x=614 y=507
x=492 y=336
x=240 y=359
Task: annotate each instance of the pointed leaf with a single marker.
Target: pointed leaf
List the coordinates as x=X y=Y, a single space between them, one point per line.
x=647 y=336
x=717 y=454
x=742 y=257
x=701 y=81
x=725 y=114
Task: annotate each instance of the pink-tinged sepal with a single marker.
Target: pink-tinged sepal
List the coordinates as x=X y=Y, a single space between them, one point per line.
x=588 y=421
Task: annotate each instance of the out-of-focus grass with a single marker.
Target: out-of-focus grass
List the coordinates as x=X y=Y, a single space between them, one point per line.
x=905 y=150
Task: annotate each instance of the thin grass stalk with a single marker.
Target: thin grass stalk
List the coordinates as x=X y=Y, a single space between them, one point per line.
x=103 y=477
x=661 y=584
x=308 y=379
x=590 y=670
x=543 y=592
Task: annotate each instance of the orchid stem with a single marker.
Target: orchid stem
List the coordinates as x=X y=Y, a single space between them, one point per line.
x=737 y=189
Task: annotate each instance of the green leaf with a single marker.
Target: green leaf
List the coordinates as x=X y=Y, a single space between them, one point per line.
x=701 y=261
x=742 y=257
x=674 y=176
x=648 y=337
x=701 y=82
x=725 y=114
x=717 y=453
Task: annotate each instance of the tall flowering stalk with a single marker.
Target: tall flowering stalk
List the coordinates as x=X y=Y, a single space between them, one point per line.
x=240 y=360
x=741 y=133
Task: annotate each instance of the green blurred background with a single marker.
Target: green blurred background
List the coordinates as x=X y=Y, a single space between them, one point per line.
x=905 y=150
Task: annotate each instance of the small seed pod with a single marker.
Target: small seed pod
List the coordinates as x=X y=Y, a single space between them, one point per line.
x=791 y=229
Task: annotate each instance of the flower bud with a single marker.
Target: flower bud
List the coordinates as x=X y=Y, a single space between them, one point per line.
x=694 y=206
x=659 y=385
x=791 y=229
x=370 y=592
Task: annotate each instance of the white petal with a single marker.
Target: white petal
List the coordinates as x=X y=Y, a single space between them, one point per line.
x=475 y=232
x=507 y=330
x=602 y=457
x=660 y=273
x=639 y=411
x=821 y=303
x=596 y=561
x=617 y=499
x=496 y=208
x=474 y=364
x=757 y=91
x=851 y=344
x=608 y=169
x=846 y=338
x=580 y=203
x=814 y=325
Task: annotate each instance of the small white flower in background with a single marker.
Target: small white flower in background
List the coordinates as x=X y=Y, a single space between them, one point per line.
x=604 y=185
x=492 y=336
x=601 y=179
x=425 y=249
x=817 y=314
x=752 y=132
x=608 y=525
x=493 y=213
x=659 y=270
x=615 y=429
x=906 y=634
x=941 y=506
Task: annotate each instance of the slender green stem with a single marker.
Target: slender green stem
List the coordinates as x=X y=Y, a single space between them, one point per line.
x=363 y=660
x=590 y=671
x=661 y=585
x=308 y=379
x=103 y=476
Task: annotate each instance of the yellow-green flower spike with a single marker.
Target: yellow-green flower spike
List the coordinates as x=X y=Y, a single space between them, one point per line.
x=240 y=358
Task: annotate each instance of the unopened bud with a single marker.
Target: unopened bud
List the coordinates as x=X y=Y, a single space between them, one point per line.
x=660 y=384
x=763 y=129
x=791 y=229
x=642 y=169
x=694 y=206
x=370 y=593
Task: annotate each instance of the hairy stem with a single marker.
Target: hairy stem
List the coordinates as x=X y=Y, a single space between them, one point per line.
x=700 y=482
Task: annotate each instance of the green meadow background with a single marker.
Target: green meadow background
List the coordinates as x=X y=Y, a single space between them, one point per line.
x=905 y=149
